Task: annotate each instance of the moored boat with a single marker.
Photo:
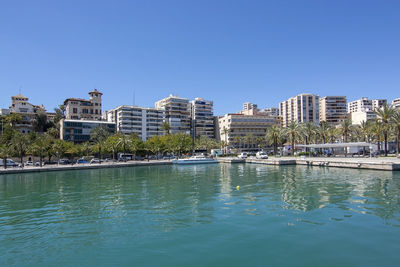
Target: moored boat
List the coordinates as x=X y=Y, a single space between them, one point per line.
x=195 y=160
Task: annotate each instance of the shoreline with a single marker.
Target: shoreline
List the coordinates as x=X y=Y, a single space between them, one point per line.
x=51 y=168
x=382 y=164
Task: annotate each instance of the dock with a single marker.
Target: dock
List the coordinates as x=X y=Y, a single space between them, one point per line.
x=384 y=164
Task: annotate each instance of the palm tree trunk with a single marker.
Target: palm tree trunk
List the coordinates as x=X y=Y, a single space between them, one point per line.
x=385 y=135
x=5 y=162
x=292 y=144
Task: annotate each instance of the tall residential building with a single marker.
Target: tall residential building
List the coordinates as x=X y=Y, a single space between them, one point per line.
x=145 y=122
x=78 y=131
x=248 y=106
x=301 y=109
x=362 y=104
x=270 y=111
x=202 y=118
x=177 y=113
x=332 y=109
x=84 y=109
x=378 y=103
x=236 y=129
x=396 y=103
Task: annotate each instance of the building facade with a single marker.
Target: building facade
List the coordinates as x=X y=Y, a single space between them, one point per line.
x=301 y=109
x=378 y=103
x=362 y=116
x=177 y=113
x=396 y=103
x=84 y=109
x=145 y=122
x=333 y=109
x=243 y=131
x=362 y=104
x=27 y=111
x=78 y=131
x=202 y=116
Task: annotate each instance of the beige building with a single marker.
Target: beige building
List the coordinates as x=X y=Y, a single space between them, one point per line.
x=301 y=109
x=333 y=109
x=84 y=109
x=365 y=104
x=202 y=118
x=28 y=112
x=236 y=129
x=362 y=116
x=145 y=122
x=177 y=113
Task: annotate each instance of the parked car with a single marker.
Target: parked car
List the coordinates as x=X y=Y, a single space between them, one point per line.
x=81 y=161
x=64 y=161
x=29 y=163
x=9 y=163
x=261 y=155
x=50 y=162
x=95 y=161
x=37 y=163
x=243 y=155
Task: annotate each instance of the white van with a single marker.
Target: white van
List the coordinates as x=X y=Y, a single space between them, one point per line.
x=243 y=155
x=261 y=155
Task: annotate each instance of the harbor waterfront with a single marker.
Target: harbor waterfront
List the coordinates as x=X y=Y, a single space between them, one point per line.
x=207 y=214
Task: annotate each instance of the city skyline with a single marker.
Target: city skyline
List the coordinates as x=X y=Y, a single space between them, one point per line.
x=231 y=53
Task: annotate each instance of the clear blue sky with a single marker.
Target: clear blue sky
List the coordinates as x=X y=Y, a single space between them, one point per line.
x=227 y=51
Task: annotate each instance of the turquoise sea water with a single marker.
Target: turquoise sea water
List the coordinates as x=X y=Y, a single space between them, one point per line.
x=194 y=215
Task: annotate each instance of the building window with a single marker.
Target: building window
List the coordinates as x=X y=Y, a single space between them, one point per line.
x=74 y=110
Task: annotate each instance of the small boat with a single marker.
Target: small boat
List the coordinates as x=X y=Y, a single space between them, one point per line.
x=195 y=160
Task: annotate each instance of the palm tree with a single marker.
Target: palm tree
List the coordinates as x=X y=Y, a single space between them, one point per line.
x=99 y=135
x=308 y=130
x=112 y=144
x=345 y=129
x=225 y=131
x=166 y=127
x=39 y=147
x=20 y=142
x=385 y=115
x=5 y=152
x=272 y=136
x=293 y=130
x=376 y=131
x=13 y=119
x=248 y=140
x=396 y=121
x=323 y=131
x=238 y=140
x=135 y=143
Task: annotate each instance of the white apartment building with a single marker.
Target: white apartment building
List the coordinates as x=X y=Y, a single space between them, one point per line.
x=177 y=113
x=84 y=109
x=233 y=128
x=396 y=103
x=145 y=122
x=362 y=104
x=365 y=104
x=301 y=109
x=333 y=109
x=249 y=106
x=28 y=112
x=378 y=103
x=270 y=111
x=362 y=116
x=202 y=118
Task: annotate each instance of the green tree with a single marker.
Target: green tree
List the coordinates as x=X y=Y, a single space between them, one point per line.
x=323 y=131
x=396 y=122
x=113 y=144
x=20 y=143
x=6 y=151
x=166 y=127
x=293 y=131
x=135 y=144
x=385 y=115
x=98 y=136
x=39 y=147
x=272 y=136
x=13 y=119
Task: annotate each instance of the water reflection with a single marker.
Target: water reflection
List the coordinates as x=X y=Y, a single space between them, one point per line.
x=166 y=197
